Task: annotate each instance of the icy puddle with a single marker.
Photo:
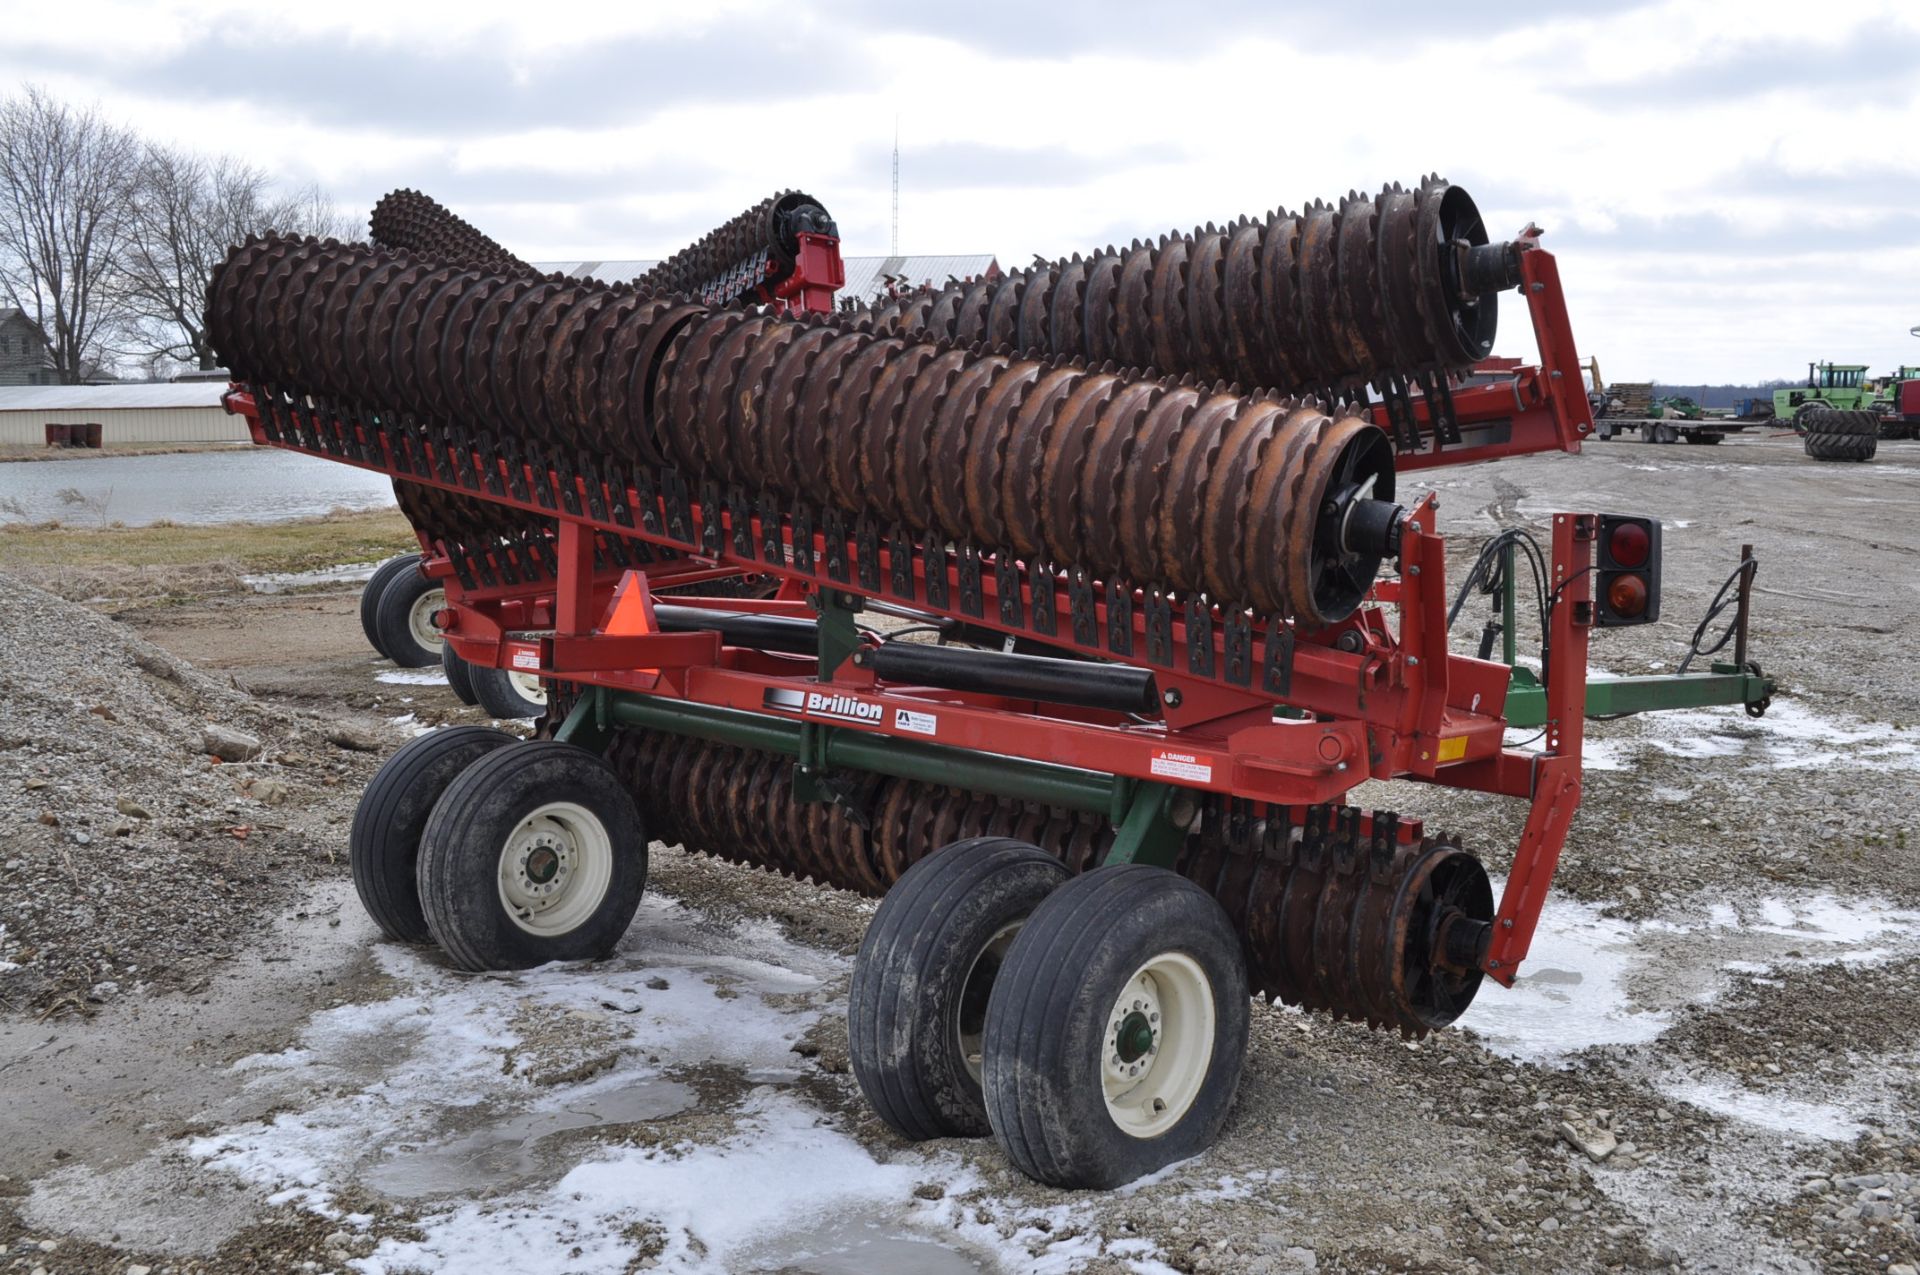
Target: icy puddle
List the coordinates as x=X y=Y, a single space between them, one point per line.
x=508 y=1151
x=288 y=581
x=1596 y=980
x=582 y=1118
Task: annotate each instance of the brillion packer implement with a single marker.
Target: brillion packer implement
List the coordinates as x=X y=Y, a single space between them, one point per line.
x=1109 y=801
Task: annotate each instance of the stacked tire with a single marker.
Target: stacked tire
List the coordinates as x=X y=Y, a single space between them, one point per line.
x=396 y=612
x=1837 y=435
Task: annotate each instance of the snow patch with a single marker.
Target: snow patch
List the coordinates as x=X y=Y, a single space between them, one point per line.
x=1821 y=1120
x=412 y=676
x=1790 y=737
x=1581 y=984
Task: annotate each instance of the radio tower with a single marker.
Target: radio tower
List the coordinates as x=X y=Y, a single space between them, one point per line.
x=893 y=249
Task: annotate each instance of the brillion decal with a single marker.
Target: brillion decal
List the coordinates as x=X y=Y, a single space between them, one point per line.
x=847 y=708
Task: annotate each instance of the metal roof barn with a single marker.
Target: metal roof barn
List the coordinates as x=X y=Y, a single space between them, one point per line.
x=153 y=412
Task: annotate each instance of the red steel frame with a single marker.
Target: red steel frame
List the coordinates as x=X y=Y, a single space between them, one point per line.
x=1380 y=700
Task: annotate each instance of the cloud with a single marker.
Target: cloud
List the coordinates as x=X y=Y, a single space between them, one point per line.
x=463 y=86
x=1868 y=63
x=1154 y=29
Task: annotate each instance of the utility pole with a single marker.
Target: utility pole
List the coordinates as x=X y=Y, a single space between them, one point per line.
x=893 y=249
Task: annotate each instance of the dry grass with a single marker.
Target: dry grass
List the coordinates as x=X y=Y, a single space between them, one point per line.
x=15 y=452
x=167 y=559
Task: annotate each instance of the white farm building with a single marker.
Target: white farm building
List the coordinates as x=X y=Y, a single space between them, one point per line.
x=157 y=412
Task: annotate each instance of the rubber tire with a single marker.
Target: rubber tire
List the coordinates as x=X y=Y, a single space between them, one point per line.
x=459 y=674
x=911 y=973
x=370 y=596
x=1836 y=435
x=495 y=693
x=391 y=618
x=459 y=856
x=383 y=845
x=1046 y=1024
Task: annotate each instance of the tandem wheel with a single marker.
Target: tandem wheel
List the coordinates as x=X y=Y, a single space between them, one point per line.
x=507 y=693
x=459 y=674
x=918 y=1004
x=370 y=592
x=1117 y=1029
x=1095 y=1025
x=403 y=618
x=384 y=844
x=534 y=853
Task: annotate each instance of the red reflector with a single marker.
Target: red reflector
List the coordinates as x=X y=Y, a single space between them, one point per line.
x=1628 y=544
x=1627 y=595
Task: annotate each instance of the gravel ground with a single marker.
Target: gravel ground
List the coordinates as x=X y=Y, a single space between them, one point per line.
x=1710 y=1062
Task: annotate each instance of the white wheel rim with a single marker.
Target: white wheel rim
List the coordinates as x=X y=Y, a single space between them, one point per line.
x=420 y=618
x=1158 y=1045
x=986 y=964
x=555 y=868
x=529 y=686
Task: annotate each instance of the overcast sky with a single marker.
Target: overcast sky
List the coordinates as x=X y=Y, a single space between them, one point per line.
x=1732 y=188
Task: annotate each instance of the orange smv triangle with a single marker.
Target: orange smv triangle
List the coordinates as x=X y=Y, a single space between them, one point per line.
x=631 y=614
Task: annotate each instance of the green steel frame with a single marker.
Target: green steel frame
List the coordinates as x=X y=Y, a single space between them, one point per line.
x=1150 y=819
x=1739 y=682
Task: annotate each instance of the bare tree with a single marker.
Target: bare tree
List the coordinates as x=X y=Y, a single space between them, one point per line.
x=311 y=211
x=66 y=182
x=188 y=214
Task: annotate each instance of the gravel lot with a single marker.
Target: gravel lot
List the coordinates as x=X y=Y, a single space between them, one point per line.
x=210 y=1064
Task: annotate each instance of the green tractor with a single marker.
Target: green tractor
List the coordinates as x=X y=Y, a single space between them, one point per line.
x=1676 y=407
x=1839 y=387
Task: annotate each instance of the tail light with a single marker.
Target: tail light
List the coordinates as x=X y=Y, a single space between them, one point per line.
x=1627 y=571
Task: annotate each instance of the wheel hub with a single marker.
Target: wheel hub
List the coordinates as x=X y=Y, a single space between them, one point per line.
x=1158 y=1045
x=555 y=868
x=420 y=618
x=1135 y=1038
x=1133 y=1030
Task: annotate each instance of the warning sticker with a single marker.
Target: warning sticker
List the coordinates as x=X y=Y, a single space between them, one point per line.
x=1182 y=766
x=523 y=658
x=918 y=723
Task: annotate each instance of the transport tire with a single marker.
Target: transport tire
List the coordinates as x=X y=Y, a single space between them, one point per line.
x=383 y=575
x=507 y=694
x=459 y=674
x=383 y=845
x=923 y=978
x=534 y=853
x=403 y=616
x=1117 y=1031
x=1834 y=435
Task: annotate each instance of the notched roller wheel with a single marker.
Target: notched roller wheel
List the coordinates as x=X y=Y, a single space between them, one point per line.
x=459 y=674
x=534 y=853
x=403 y=616
x=384 y=843
x=370 y=592
x=1117 y=1030
x=922 y=980
x=507 y=693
